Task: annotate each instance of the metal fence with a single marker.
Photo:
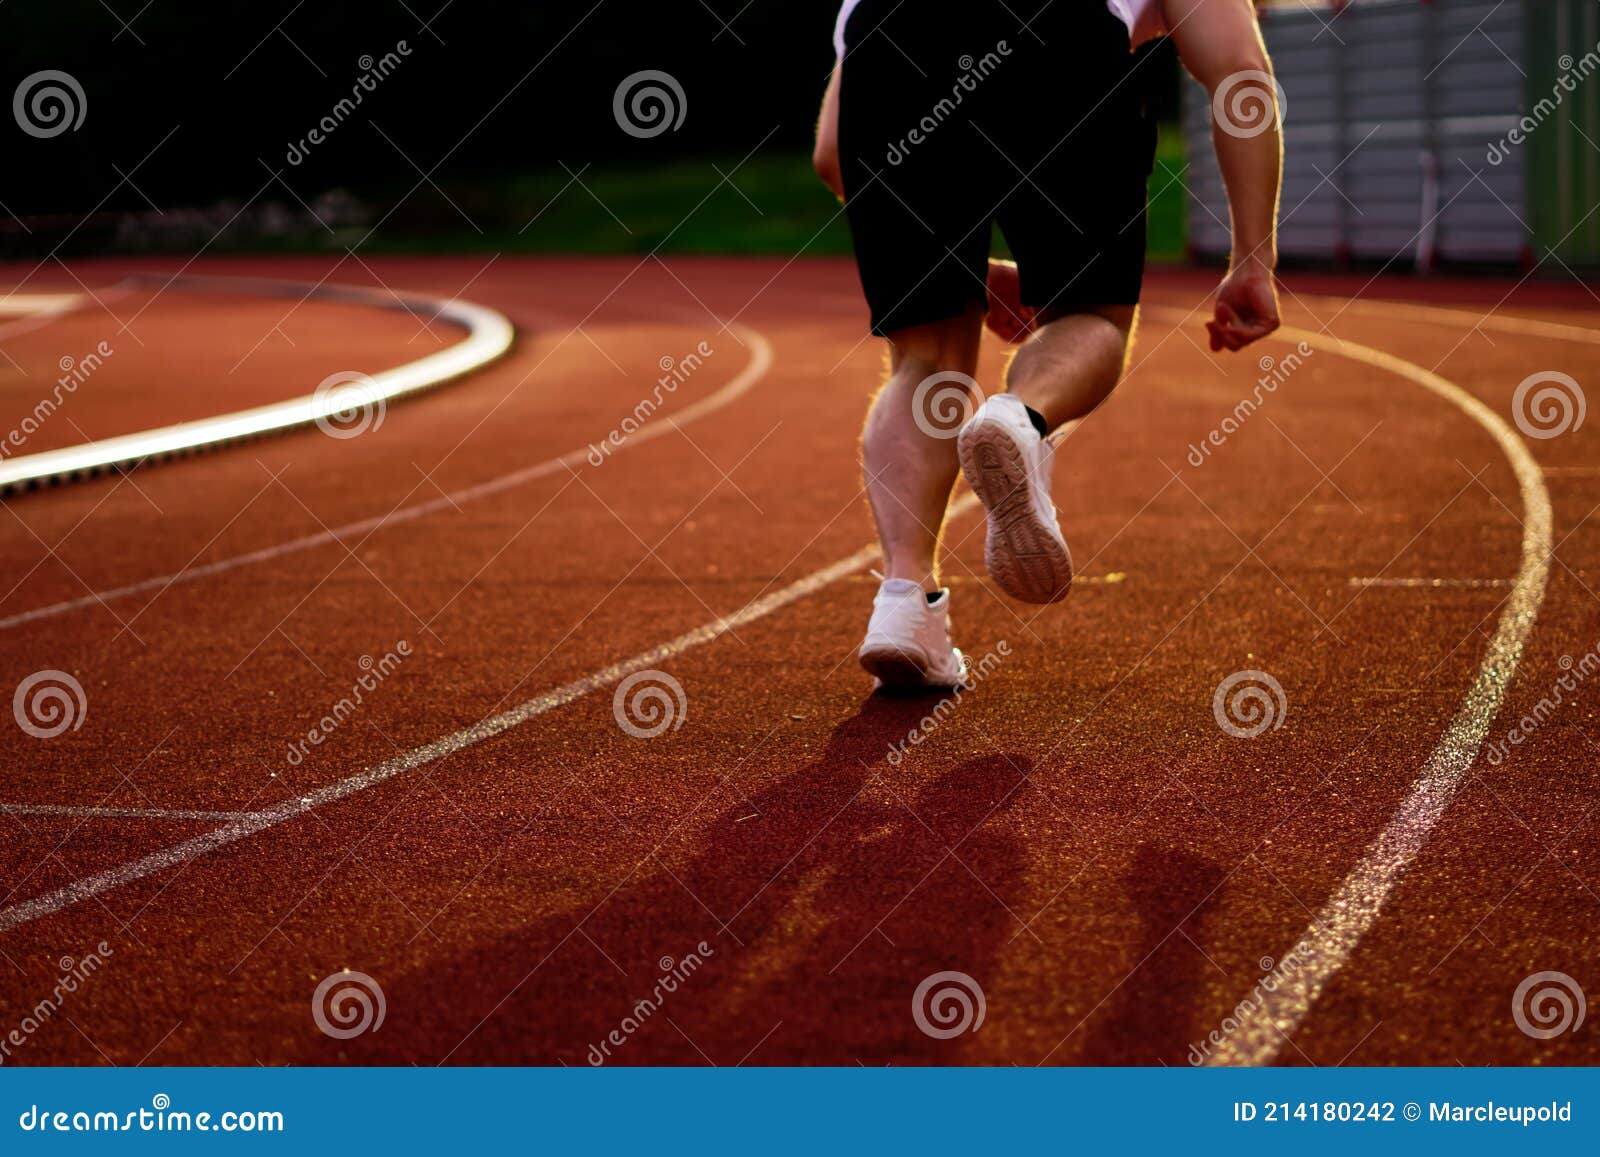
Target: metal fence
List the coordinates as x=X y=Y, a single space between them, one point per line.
x=1425 y=132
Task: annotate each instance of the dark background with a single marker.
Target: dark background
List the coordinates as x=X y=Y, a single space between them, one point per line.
x=488 y=88
x=496 y=107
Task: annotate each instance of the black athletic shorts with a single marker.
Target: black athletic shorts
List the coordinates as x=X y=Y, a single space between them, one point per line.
x=955 y=117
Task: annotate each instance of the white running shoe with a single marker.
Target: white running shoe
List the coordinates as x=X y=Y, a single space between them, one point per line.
x=1008 y=466
x=908 y=639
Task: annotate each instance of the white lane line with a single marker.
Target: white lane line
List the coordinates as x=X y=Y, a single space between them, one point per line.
x=24 y=321
x=1451 y=583
x=1456 y=318
x=251 y=823
x=29 y=321
x=489 y=335
x=755 y=369
x=134 y=813
x=29 y=304
x=1110 y=579
x=1333 y=935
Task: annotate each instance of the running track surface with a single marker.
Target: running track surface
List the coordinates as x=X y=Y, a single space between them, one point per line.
x=1078 y=836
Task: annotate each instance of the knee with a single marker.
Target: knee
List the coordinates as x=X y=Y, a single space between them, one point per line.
x=1121 y=321
x=1125 y=318
x=1087 y=337
x=929 y=394
x=1119 y=318
x=949 y=346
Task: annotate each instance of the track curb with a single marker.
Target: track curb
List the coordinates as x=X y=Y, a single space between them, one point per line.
x=489 y=336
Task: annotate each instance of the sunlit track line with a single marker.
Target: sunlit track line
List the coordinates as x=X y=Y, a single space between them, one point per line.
x=1455 y=318
x=33 y=321
x=27 y=320
x=248 y=824
x=39 y=304
x=1438 y=583
x=1442 y=315
x=1336 y=930
x=755 y=369
x=117 y=813
x=489 y=336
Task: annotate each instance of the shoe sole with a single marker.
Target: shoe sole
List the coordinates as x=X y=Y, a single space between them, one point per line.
x=1024 y=557
x=897 y=668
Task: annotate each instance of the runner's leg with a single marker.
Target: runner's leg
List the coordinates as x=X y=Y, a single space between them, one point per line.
x=1072 y=362
x=909 y=472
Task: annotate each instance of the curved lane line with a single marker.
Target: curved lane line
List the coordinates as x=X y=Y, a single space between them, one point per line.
x=128 y=813
x=1336 y=930
x=1455 y=317
x=1332 y=936
x=489 y=336
x=253 y=822
x=32 y=322
x=36 y=304
x=249 y=823
x=755 y=369
x=39 y=314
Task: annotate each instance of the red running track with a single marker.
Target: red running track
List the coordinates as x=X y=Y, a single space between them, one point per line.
x=1078 y=836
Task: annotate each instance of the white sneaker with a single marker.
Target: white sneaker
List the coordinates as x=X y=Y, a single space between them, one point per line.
x=908 y=639
x=1008 y=466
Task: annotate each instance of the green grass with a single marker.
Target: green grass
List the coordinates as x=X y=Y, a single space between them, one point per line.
x=1168 y=198
x=770 y=204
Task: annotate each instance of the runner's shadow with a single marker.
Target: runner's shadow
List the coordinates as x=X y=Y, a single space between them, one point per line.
x=821 y=902
x=1145 y=1022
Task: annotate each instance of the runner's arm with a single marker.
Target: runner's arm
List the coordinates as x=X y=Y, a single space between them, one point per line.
x=1220 y=44
x=825 y=156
